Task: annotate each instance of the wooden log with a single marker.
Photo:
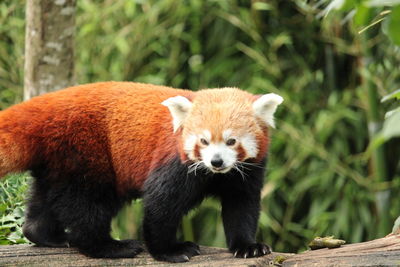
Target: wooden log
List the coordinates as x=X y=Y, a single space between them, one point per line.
x=27 y=255
x=379 y=252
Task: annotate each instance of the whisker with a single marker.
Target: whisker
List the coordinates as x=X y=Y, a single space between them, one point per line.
x=251 y=164
x=241 y=165
x=194 y=167
x=240 y=171
x=191 y=165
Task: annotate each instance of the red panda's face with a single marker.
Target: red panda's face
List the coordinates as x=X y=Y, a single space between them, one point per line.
x=222 y=128
x=222 y=151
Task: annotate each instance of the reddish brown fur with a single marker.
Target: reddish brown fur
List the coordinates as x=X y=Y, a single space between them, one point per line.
x=241 y=153
x=114 y=129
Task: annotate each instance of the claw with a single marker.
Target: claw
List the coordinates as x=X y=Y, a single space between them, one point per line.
x=197 y=251
x=245 y=255
x=264 y=251
x=186 y=258
x=255 y=252
x=234 y=254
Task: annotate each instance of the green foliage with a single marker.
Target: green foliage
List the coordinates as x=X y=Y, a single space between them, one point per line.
x=12 y=192
x=319 y=179
x=368 y=13
x=393 y=30
x=11 y=52
x=396 y=226
x=387 y=13
x=391 y=126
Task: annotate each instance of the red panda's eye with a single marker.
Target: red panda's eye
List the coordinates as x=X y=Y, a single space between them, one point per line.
x=204 y=141
x=231 y=142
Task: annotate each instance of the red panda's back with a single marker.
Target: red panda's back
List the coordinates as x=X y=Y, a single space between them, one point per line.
x=102 y=130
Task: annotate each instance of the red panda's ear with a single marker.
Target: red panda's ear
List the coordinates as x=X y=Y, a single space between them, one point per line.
x=179 y=107
x=265 y=106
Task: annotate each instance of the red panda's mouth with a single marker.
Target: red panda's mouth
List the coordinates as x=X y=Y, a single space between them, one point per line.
x=220 y=169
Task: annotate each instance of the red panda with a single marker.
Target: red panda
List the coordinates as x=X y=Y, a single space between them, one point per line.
x=92 y=148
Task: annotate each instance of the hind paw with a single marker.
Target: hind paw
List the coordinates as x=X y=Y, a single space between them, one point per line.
x=114 y=249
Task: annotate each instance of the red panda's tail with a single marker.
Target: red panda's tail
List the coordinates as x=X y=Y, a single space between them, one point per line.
x=13 y=158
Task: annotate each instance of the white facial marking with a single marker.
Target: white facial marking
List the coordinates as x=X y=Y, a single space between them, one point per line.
x=189 y=146
x=207 y=135
x=179 y=107
x=226 y=134
x=249 y=144
x=265 y=107
x=227 y=155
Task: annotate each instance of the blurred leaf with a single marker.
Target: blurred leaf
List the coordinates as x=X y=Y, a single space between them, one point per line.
x=378 y=3
x=363 y=15
x=396 y=226
x=391 y=126
x=395 y=94
x=392 y=112
x=393 y=25
x=18 y=212
x=261 y=6
x=3 y=208
x=343 y=5
x=377 y=141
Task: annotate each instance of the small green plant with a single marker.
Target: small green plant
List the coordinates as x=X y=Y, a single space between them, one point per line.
x=12 y=193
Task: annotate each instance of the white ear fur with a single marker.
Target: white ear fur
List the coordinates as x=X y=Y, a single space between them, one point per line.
x=265 y=107
x=179 y=107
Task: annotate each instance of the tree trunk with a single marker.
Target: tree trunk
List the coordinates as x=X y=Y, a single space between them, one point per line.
x=49 y=46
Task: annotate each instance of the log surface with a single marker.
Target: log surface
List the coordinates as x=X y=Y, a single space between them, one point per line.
x=27 y=255
x=379 y=252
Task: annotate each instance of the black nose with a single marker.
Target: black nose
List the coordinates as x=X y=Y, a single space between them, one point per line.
x=217 y=162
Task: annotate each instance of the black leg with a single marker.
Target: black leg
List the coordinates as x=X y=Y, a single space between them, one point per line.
x=240 y=212
x=86 y=208
x=41 y=226
x=169 y=193
x=88 y=230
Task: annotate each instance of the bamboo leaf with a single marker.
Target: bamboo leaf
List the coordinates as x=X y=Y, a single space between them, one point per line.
x=262 y=6
x=391 y=112
x=396 y=226
x=391 y=126
x=393 y=25
x=377 y=3
x=363 y=15
x=395 y=94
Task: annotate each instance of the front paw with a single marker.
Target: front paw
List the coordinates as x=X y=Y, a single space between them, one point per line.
x=181 y=252
x=252 y=250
